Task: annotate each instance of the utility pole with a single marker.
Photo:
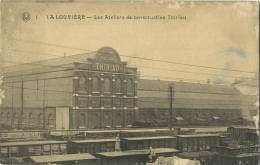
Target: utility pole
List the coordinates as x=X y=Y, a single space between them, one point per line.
x=20 y=122
x=171 y=113
x=43 y=106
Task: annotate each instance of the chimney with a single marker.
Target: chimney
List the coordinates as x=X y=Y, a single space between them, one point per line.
x=208 y=81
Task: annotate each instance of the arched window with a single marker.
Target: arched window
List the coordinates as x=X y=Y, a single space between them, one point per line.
x=129 y=87
x=118 y=86
x=95 y=84
x=82 y=83
x=106 y=86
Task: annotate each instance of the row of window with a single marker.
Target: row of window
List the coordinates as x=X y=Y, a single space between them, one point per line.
x=106 y=85
x=107 y=118
x=105 y=102
x=30 y=118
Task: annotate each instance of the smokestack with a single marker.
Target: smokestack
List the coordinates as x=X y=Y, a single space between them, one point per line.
x=208 y=81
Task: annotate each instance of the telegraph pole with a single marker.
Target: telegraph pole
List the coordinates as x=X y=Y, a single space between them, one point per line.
x=171 y=113
x=20 y=120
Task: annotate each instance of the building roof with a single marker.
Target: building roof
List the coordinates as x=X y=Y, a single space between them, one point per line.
x=65 y=62
x=104 y=54
x=137 y=152
x=197 y=154
x=198 y=135
x=62 y=158
x=94 y=141
x=149 y=138
x=180 y=86
x=256 y=154
x=27 y=143
x=155 y=94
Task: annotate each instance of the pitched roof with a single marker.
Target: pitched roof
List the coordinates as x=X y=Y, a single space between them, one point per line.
x=155 y=94
x=60 y=62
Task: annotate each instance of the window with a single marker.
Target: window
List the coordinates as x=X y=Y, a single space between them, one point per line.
x=82 y=120
x=82 y=83
x=40 y=120
x=2 y=117
x=117 y=102
x=106 y=88
x=82 y=101
x=129 y=103
x=30 y=119
x=50 y=120
x=95 y=84
x=129 y=87
x=15 y=119
x=8 y=117
x=95 y=102
x=107 y=102
x=118 y=86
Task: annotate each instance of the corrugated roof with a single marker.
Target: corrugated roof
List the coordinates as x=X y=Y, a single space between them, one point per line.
x=62 y=158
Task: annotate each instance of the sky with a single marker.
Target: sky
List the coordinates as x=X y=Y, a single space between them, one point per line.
x=214 y=34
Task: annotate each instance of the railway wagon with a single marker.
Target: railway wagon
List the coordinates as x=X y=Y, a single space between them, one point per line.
x=240 y=132
x=199 y=146
x=91 y=146
x=241 y=155
x=133 y=157
x=140 y=143
x=30 y=148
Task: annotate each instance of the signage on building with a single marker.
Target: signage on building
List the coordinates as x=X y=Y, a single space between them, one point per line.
x=108 y=67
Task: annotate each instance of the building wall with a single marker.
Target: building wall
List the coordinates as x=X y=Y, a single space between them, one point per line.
x=28 y=99
x=160 y=117
x=104 y=98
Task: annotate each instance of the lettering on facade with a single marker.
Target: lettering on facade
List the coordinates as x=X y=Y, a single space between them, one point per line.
x=108 y=67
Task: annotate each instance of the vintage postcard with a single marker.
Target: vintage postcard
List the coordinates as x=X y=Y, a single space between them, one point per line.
x=129 y=82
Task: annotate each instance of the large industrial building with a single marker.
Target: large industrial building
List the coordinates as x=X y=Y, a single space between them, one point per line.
x=97 y=90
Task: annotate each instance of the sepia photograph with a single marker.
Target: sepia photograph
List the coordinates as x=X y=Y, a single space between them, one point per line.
x=134 y=82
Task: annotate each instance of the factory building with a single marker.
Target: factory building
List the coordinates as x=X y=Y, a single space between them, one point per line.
x=98 y=90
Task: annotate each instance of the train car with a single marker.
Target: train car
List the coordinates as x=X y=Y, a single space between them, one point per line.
x=242 y=155
x=199 y=147
x=92 y=145
x=30 y=148
x=132 y=157
x=240 y=132
x=137 y=143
